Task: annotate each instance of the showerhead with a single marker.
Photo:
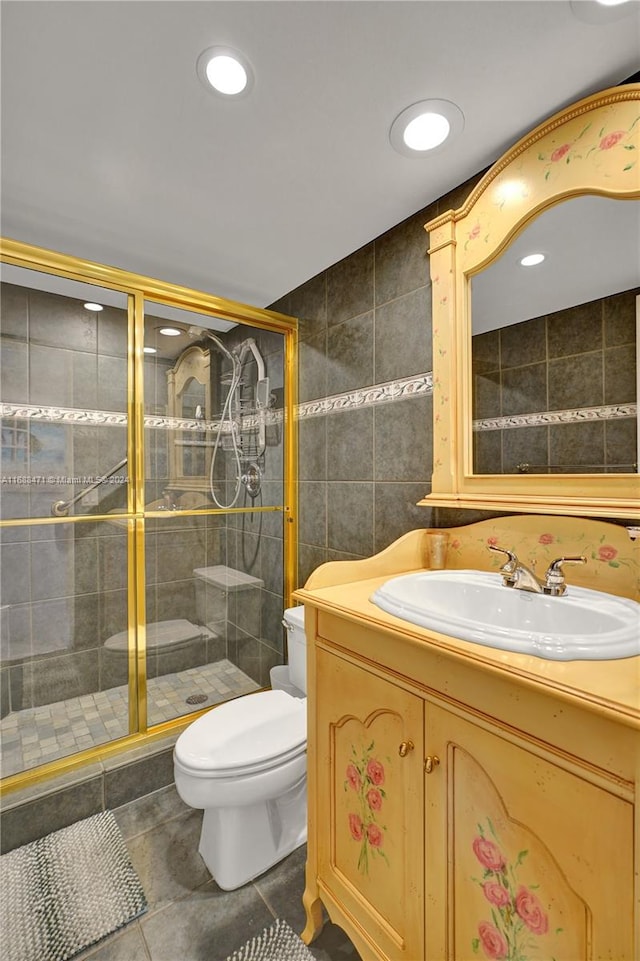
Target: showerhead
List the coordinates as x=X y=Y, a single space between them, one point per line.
x=199 y=333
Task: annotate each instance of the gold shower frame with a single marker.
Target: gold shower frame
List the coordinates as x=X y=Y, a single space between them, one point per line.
x=139 y=289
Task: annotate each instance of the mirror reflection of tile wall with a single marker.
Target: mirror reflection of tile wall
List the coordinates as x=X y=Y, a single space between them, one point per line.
x=582 y=357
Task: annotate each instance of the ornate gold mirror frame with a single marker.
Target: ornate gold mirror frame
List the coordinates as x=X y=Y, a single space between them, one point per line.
x=590 y=148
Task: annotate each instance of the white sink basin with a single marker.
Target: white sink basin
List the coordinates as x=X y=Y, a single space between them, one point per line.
x=476 y=606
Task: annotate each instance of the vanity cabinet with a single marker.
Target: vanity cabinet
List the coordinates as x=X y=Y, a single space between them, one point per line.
x=458 y=808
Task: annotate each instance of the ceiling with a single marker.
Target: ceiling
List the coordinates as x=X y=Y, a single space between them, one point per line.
x=114 y=151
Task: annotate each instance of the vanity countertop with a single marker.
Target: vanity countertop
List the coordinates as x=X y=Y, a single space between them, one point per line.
x=607 y=687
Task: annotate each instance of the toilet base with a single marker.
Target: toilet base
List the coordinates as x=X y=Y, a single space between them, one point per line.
x=239 y=843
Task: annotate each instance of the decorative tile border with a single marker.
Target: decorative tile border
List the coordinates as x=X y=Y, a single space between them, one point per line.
x=368 y=396
x=575 y=415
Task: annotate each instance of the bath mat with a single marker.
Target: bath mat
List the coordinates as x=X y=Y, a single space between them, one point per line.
x=276 y=943
x=64 y=892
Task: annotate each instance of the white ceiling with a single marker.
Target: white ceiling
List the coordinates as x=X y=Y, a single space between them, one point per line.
x=114 y=151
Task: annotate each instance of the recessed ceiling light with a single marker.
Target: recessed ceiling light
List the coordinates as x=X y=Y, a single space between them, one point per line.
x=601 y=11
x=149 y=350
x=426 y=126
x=532 y=260
x=170 y=331
x=94 y=307
x=225 y=71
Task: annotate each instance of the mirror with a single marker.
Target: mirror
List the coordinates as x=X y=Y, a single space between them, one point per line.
x=554 y=344
x=189 y=383
x=535 y=369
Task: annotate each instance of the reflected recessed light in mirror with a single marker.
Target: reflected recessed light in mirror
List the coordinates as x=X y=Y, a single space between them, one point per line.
x=425 y=126
x=94 y=307
x=531 y=260
x=170 y=331
x=149 y=350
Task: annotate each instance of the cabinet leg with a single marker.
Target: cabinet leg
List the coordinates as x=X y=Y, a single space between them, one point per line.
x=313 y=909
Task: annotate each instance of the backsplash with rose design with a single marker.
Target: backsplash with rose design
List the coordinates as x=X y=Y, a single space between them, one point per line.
x=613 y=559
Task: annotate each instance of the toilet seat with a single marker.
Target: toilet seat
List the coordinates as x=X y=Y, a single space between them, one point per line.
x=244 y=736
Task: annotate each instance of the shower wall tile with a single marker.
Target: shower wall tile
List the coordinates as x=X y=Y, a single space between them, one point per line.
x=14 y=371
x=50 y=376
x=403 y=336
x=61 y=322
x=271 y=563
x=350 y=445
x=350 y=354
x=14 y=315
x=84 y=369
x=272 y=629
x=69 y=675
x=112 y=383
x=112 y=332
x=350 y=286
x=14 y=573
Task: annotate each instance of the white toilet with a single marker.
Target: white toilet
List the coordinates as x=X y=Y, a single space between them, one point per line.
x=245 y=764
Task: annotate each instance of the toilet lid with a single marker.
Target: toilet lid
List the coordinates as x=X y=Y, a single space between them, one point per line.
x=248 y=734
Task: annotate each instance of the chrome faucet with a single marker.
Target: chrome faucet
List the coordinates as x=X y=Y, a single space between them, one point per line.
x=555 y=584
x=515 y=574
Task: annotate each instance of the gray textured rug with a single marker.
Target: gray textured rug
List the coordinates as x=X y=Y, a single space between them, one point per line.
x=276 y=943
x=64 y=892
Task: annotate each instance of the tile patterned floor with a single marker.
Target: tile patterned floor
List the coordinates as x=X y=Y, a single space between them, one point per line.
x=37 y=735
x=189 y=917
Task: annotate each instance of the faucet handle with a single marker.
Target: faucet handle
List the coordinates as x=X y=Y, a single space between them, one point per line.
x=511 y=563
x=554 y=578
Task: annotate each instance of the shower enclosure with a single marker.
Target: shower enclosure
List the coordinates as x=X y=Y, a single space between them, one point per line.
x=147 y=513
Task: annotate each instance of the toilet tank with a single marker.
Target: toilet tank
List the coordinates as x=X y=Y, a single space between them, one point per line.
x=297 y=647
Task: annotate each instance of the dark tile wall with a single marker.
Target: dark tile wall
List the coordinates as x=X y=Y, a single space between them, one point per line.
x=584 y=356
x=366 y=320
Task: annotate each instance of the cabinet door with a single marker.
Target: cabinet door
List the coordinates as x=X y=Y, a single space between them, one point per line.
x=538 y=860
x=371 y=804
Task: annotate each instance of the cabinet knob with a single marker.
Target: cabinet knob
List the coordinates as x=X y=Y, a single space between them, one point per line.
x=431 y=762
x=405 y=747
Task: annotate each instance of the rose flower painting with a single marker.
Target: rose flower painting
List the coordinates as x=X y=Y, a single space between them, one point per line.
x=364 y=783
x=516 y=914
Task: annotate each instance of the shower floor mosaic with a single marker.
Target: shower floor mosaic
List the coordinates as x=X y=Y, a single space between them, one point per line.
x=41 y=734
